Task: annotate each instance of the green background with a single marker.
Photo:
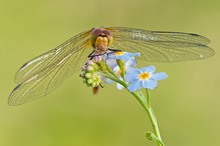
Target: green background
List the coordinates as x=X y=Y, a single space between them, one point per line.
x=187 y=104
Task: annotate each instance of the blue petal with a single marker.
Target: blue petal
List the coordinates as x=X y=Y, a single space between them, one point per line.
x=105 y=56
x=111 y=62
x=122 y=57
x=119 y=86
x=125 y=56
x=133 y=54
x=130 y=62
x=131 y=74
x=116 y=69
x=135 y=86
x=149 y=84
x=108 y=81
x=149 y=69
x=110 y=56
x=159 y=76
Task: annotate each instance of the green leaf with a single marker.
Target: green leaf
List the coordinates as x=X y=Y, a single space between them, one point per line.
x=153 y=137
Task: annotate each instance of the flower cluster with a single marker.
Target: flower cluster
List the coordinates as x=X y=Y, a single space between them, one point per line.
x=120 y=67
x=90 y=74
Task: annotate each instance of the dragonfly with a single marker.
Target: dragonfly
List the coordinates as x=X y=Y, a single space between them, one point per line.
x=46 y=72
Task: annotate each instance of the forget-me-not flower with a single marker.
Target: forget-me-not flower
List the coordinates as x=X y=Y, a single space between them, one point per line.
x=144 y=77
x=129 y=62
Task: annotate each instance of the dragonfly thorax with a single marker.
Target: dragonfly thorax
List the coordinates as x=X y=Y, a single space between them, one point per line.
x=101 y=39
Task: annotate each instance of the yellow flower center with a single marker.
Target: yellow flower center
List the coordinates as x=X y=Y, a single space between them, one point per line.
x=119 y=72
x=119 y=53
x=144 y=76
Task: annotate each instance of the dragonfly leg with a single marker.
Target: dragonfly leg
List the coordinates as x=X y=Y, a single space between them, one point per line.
x=114 y=50
x=101 y=85
x=91 y=55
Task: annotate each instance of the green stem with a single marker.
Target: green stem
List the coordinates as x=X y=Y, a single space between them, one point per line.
x=147 y=106
x=145 y=102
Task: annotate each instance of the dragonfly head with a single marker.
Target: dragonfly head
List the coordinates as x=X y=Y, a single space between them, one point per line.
x=101 y=37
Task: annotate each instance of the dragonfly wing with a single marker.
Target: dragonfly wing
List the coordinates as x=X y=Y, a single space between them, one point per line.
x=51 y=58
x=161 y=46
x=45 y=73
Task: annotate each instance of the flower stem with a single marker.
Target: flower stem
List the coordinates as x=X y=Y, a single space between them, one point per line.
x=145 y=102
x=147 y=106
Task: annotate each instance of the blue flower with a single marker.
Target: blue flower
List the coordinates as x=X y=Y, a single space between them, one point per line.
x=144 y=77
x=130 y=63
x=121 y=55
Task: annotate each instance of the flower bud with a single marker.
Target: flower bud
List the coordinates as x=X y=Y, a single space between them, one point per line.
x=88 y=75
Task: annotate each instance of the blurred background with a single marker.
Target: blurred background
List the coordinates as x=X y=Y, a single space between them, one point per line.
x=187 y=104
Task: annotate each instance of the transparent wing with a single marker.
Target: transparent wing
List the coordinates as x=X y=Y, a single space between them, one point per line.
x=46 y=72
x=161 y=46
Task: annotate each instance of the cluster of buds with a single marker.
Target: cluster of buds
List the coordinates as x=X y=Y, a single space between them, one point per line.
x=90 y=74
